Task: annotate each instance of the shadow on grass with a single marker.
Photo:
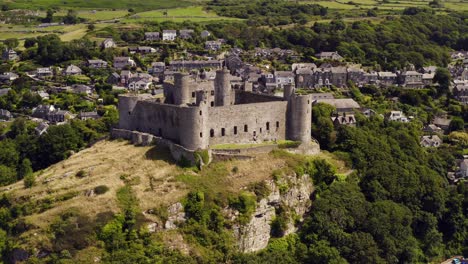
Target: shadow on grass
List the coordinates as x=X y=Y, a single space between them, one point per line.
x=160 y=153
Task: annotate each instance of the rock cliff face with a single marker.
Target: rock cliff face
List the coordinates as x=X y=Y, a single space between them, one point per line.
x=293 y=192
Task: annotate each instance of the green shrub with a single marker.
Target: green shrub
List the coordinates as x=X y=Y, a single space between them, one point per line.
x=289 y=144
x=260 y=189
x=245 y=203
x=81 y=174
x=101 y=189
x=29 y=181
x=204 y=155
x=235 y=169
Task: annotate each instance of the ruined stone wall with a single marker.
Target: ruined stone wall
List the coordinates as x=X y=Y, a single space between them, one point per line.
x=247 y=123
x=183 y=125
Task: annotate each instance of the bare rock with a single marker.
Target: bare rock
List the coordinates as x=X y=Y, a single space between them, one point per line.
x=176 y=215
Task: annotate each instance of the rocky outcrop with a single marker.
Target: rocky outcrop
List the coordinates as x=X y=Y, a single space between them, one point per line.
x=293 y=192
x=176 y=215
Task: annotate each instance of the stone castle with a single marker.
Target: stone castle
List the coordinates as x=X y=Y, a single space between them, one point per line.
x=200 y=115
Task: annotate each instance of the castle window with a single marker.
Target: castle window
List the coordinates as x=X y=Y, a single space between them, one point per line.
x=246 y=128
x=223 y=131
x=277 y=124
x=193 y=94
x=212 y=92
x=211 y=132
x=212 y=103
x=235 y=130
x=267 y=125
x=260 y=130
x=129 y=113
x=201 y=134
x=200 y=112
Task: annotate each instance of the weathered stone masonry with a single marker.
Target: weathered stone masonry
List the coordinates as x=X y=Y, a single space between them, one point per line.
x=198 y=116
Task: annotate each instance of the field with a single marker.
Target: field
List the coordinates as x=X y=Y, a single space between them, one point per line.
x=194 y=14
x=98 y=4
x=457 y=5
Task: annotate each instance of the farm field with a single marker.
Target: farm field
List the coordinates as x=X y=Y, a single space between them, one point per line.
x=106 y=4
x=457 y=5
x=194 y=13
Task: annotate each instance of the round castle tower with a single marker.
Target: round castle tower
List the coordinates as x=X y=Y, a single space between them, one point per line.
x=222 y=88
x=194 y=132
x=126 y=105
x=181 y=88
x=299 y=116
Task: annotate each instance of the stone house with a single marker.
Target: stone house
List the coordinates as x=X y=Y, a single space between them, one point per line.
x=461 y=93
x=194 y=65
x=82 y=89
x=114 y=78
x=205 y=34
x=97 y=64
x=169 y=35
x=428 y=78
x=344 y=120
x=411 y=79
x=152 y=36
x=233 y=62
x=44 y=95
x=186 y=33
x=73 y=70
x=122 y=62
x=397 y=116
x=387 y=78
x=142 y=84
x=44 y=72
x=355 y=75
x=430 y=141
x=41 y=111
x=342 y=105
x=5 y=115
x=88 y=115
x=125 y=77
x=304 y=78
x=322 y=77
x=108 y=43
x=58 y=116
x=433 y=129
x=370 y=78
x=8 y=77
x=213 y=45
x=157 y=68
x=141 y=50
x=329 y=56
x=463 y=171
x=442 y=122
x=9 y=55
x=339 y=76
x=283 y=78
x=41 y=128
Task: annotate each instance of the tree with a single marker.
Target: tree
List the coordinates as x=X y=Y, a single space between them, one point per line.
x=11 y=43
x=25 y=169
x=91 y=27
x=457 y=124
x=29 y=181
x=49 y=16
x=7 y=175
x=71 y=17
x=443 y=78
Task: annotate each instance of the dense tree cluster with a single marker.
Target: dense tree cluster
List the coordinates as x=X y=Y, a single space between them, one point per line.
x=266 y=12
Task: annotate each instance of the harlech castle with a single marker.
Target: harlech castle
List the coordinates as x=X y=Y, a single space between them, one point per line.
x=199 y=115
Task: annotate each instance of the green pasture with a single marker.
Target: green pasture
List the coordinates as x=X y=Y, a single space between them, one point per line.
x=193 y=13
x=98 y=4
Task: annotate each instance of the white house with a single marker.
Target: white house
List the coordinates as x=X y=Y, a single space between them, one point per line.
x=108 y=43
x=169 y=35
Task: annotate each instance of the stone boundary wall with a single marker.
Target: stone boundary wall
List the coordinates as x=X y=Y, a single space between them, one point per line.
x=144 y=139
x=245 y=151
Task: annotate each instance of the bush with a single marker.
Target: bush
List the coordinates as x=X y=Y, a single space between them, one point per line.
x=29 y=181
x=101 y=189
x=81 y=174
x=260 y=189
